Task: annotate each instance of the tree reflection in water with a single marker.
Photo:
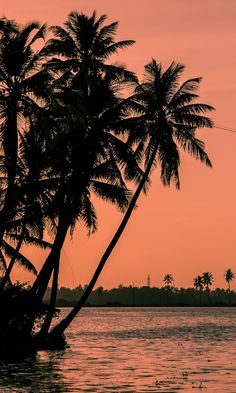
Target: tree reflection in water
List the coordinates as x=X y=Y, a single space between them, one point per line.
x=40 y=374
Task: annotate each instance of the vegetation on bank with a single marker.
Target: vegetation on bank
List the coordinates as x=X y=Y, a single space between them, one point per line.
x=68 y=131
x=143 y=296
x=168 y=295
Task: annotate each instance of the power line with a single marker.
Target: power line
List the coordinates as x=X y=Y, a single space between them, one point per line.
x=224 y=128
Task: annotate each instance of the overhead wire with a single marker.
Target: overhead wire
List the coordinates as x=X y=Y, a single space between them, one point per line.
x=225 y=128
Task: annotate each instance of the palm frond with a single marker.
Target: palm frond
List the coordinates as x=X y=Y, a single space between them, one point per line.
x=20 y=258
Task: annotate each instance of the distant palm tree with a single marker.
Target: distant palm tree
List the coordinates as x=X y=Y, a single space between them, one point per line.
x=199 y=285
x=207 y=282
x=229 y=276
x=168 y=281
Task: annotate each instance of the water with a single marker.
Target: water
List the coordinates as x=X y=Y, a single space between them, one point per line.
x=135 y=350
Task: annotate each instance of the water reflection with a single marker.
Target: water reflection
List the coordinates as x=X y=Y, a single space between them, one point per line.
x=135 y=350
x=39 y=374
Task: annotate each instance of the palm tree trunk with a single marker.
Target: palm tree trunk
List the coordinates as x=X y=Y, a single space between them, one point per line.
x=208 y=295
x=48 y=320
x=40 y=285
x=10 y=146
x=167 y=296
x=63 y=325
x=13 y=259
x=200 y=297
x=229 y=295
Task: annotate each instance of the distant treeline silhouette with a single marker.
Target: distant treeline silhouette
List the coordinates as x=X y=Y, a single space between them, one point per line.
x=145 y=296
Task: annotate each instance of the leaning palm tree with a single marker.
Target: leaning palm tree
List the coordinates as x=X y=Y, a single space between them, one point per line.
x=229 y=277
x=23 y=89
x=207 y=282
x=167 y=121
x=199 y=285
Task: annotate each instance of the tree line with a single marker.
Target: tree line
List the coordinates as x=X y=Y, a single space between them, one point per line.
x=74 y=124
x=168 y=295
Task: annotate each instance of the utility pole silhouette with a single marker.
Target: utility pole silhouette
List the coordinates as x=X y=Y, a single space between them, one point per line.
x=148 y=281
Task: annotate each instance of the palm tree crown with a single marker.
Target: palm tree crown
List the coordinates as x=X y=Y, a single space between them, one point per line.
x=84 y=45
x=198 y=283
x=170 y=118
x=168 y=279
x=207 y=279
x=229 y=276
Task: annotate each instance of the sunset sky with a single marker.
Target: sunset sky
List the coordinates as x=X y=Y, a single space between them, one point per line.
x=181 y=232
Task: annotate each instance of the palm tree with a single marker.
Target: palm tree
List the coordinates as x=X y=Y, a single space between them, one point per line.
x=85 y=44
x=207 y=279
x=229 y=276
x=168 y=281
x=199 y=285
x=23 y=87
x=33 y=179
x=100 y=162
x=91 y=87
x=170 y=120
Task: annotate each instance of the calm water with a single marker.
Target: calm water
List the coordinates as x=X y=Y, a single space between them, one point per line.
x=136 y=350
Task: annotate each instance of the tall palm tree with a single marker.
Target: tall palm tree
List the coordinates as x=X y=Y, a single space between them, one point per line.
x=208 y=279
x=23 y=87
x=85 y=78
x=100 y=162
x=199 y=285
x=168 y=119
x=33 y=180
x=229 y=277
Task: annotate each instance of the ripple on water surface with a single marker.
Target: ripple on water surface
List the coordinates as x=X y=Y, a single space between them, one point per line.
x=135 y=350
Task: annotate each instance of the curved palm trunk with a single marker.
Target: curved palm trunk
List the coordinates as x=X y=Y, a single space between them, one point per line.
x=63 y=325
x=50 y=266
x=40 y=285
x=48 y=320
x=6 y=277
x=53 y=260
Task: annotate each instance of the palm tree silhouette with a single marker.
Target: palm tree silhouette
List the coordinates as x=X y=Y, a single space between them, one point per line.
x=229 y=276
x=168 y=281
x=169 y=119
x=207 y=282
x=199 y=285
x=100 y=161
x=85 y=44
x=23 y=90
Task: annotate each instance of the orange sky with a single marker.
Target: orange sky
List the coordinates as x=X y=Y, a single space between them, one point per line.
x=181 y=232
